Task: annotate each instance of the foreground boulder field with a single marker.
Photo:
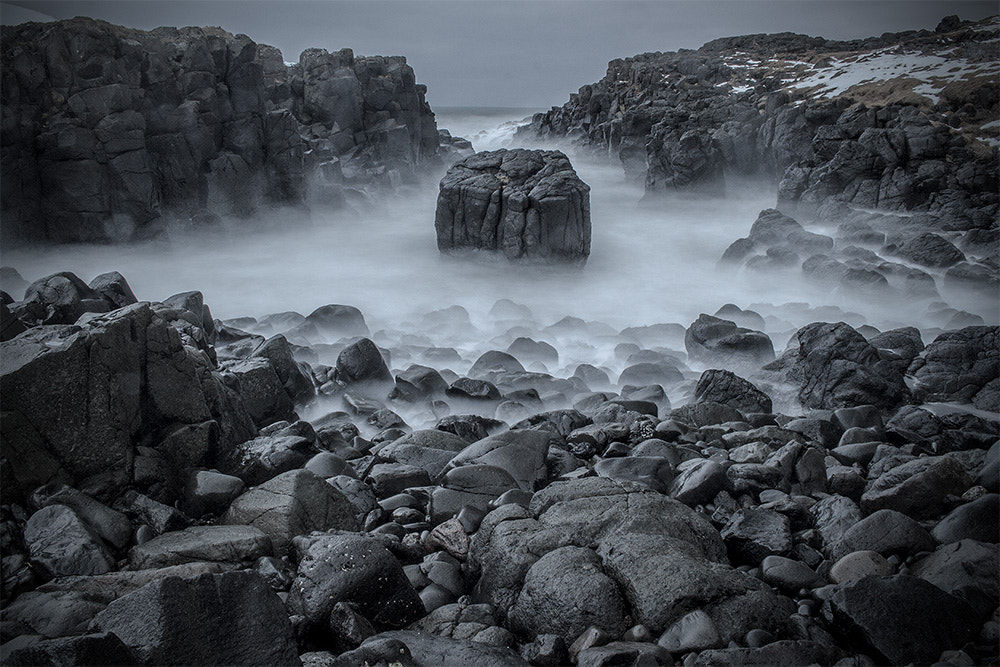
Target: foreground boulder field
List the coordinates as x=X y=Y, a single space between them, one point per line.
x=689 y=494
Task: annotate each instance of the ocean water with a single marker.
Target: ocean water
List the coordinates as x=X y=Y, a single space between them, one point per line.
x=651 y=262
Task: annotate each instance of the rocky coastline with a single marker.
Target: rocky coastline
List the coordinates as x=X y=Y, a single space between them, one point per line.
x=767 y=485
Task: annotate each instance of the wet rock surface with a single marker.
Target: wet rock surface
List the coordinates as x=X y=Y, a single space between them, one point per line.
x=703 y=524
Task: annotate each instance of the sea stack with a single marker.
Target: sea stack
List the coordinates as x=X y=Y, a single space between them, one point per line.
x=522 y=203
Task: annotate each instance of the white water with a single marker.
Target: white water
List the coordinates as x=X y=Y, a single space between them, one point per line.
x=649 y=263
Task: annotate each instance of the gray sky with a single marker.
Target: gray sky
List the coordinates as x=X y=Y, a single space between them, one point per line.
x=510 y=53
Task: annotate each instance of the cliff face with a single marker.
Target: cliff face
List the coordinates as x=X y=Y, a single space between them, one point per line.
x=106 y=129
x=900 y=122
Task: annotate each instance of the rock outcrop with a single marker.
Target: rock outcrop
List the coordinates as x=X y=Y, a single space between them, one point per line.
x=871 y=122
x=107 y=129
x=521 y=203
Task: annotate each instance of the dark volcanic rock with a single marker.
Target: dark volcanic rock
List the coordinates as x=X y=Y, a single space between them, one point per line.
x=721 y=386
x=76 y=398
x=107 y=126
x=293 y=503
x=835 y=367
x=712 y=340
x=356 y=569
x=566 y=592
x=901 y=619
x=961 y=366
x=519 y=202
x=930 y=250
x=202 y=620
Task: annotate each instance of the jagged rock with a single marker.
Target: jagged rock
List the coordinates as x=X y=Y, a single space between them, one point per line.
x=918 y=488
x=293 y=503
x=835 y=367
x=713 y=340
x=355 y=569
x=60 y=544
x=960 y=366
x=261 y=390
x=688 y=162
x=158 y=624
x=522 y=203
x=240 y=545
x=108 y=133
x=722 y=386
x=900 y=619
x=123 y=377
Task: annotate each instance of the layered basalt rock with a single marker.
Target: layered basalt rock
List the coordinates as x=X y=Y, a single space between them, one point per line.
x=782 y=107
x=106 y=128
x=521 y=203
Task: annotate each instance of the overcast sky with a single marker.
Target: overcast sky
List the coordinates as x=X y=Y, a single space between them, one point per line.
x=509 y=53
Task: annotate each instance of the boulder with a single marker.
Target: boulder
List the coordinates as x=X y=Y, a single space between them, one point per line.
x=931 y=250
x=111 y=526
x=960 y=366
x=966 y=569
x=266 y=456
x=977 y=520
x=293 y=503
x=710 y=340
x=722 y=386
x=751 y=535
x=337 y=321
x=886 y=532
x=919 y=488
x=899 y=619
x=201 y=620
x=564 y=593
x=427 y=649
x=355 y=569
x=362 y=362
x=61 y=544
x=835 y=367
x=521 y=203
x=521 y=453
x=76 y=398
x=103 y=648
x=237 y=545
x=663 y=578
